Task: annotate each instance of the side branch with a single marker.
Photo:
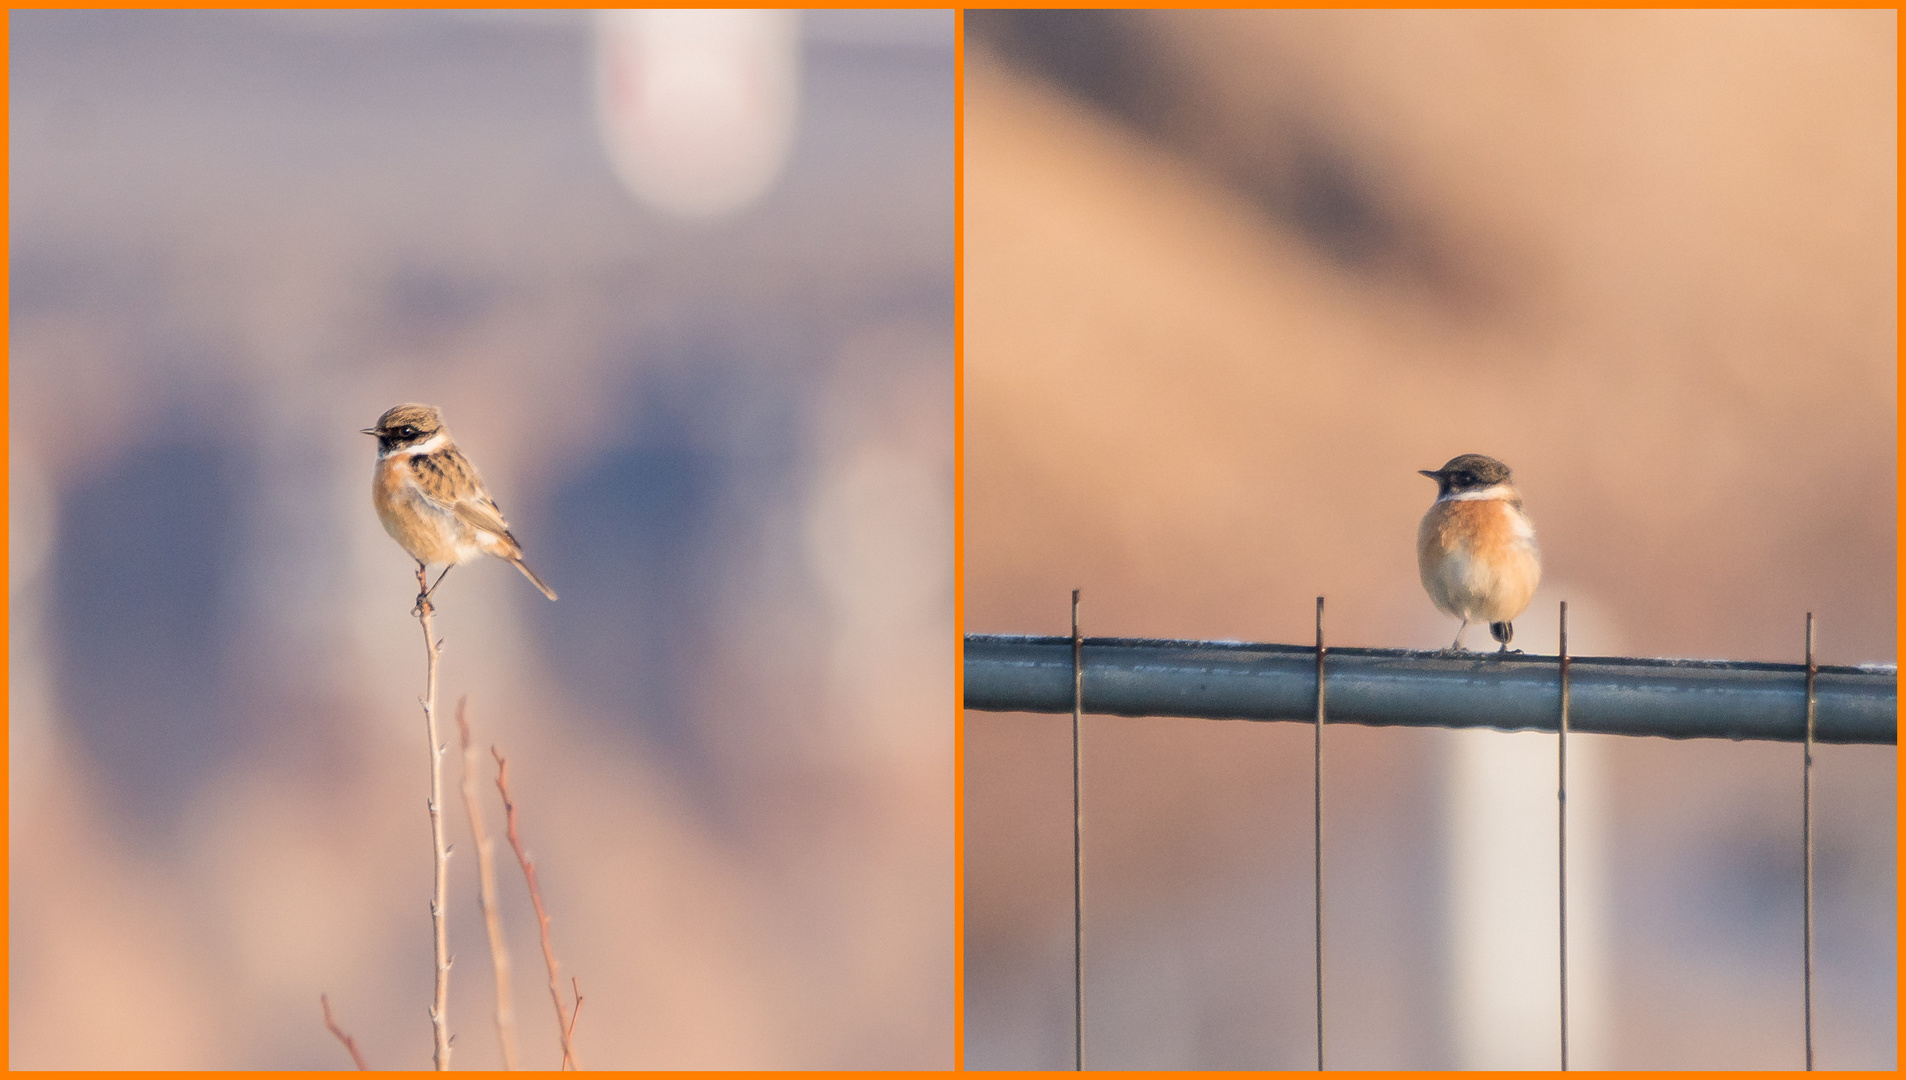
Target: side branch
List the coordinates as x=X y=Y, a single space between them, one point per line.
x=350 y=1044
x=564 y=1026
x=575 y=1012
x=486 y=894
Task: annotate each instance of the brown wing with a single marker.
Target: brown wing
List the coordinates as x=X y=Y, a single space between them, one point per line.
x=445 y=477
x=484 y=516
x=448 y=479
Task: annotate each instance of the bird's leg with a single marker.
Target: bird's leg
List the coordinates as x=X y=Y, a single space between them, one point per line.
x=439 y=581
x=423 y=594
x=1457 y=645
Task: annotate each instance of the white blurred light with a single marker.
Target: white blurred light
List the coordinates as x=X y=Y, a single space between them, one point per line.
x=697 y=107
x=879 y=542
x=1504 y=920
x=877 y=538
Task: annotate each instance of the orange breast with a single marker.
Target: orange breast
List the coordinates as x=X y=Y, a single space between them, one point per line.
x=1478 y=559
x=425 y=531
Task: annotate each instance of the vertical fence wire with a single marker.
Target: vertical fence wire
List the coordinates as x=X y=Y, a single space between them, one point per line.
x=1561 y=829
x=1317 y=828
x=1317 y=838
x=1806 y=836
x=1078 y=903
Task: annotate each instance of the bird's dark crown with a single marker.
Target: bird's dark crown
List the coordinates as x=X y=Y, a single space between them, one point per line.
x=405 y=425
x=1468 y=472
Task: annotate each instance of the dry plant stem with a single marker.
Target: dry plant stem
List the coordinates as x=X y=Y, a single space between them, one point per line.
x=575 y=1011
x=564 y=1026
x=439 y=1009
x=486 y=895
x=350 y=1044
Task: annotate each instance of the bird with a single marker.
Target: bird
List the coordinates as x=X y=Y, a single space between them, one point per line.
x=431 y=500
x=1476 y=548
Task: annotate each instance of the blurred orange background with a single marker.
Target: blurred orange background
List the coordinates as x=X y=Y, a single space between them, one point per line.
x=1231 y=279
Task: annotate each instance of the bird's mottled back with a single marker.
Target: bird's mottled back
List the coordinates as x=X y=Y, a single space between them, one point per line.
x=431 y=500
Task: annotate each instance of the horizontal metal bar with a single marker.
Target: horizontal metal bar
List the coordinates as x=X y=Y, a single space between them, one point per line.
x=1675 y=699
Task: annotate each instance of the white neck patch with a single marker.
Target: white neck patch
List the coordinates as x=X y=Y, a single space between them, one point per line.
x=1494 y=491
x=428 y=446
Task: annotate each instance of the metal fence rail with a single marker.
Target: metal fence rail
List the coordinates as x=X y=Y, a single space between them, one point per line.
x=1677 y=699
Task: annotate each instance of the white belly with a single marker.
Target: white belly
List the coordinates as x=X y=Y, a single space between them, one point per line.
x=1481 y=592
x=1478 y=579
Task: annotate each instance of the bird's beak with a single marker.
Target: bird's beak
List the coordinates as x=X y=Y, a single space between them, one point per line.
x=1431 y=473
x=370 y=431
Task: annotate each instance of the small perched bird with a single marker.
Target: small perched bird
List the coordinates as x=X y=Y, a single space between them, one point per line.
x=431 y=499
x=1476 y=548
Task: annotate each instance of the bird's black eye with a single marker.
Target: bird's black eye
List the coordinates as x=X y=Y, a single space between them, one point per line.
x=1466 y=479
x=407 y=431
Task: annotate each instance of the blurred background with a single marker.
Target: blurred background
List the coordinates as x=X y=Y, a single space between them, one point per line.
x=1231 y=279
x=683 y=284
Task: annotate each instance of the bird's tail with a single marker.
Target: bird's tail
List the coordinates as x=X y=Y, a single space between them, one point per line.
x=533 y=579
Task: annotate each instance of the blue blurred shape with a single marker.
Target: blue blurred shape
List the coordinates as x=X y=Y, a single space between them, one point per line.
x=141 y=567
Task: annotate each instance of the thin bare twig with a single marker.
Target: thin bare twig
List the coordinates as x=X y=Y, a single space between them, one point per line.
x=350 y=1044
x=564 y=1026
x=575 y=1011
x=486 y=894
x=439 y=1009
